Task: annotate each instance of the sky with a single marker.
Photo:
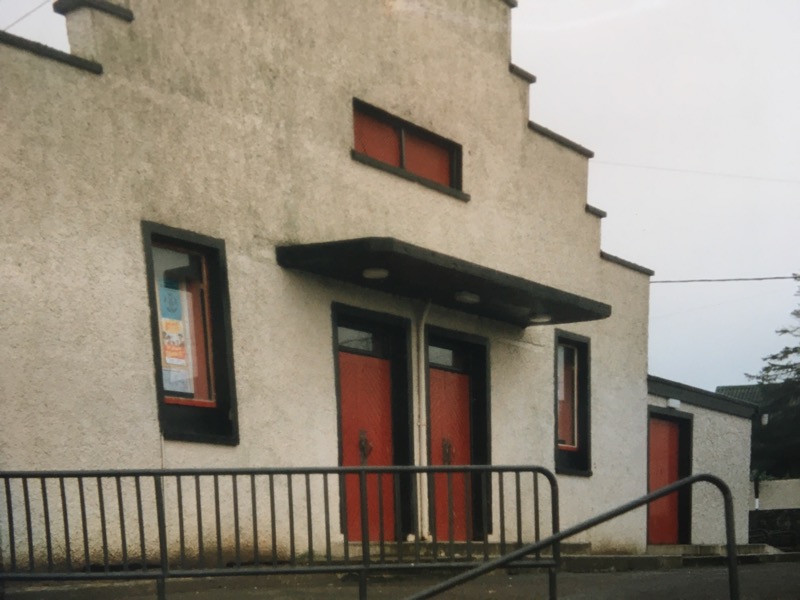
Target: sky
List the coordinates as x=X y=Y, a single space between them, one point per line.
x=691 y=108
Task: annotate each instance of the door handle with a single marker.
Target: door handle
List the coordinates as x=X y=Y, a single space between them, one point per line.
x=364 y=447
x=447 y=451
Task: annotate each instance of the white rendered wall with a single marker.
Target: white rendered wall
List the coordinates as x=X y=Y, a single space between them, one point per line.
x=238 y=124
x=777 y=494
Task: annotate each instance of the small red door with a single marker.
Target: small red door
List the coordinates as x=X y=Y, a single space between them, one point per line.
x=663 y=463
x=365 y=389
x=450 y=445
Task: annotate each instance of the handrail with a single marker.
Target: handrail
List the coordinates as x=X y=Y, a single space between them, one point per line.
x=733 y=571
x=276 y=471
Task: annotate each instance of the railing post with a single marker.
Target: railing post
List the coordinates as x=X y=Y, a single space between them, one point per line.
x=161 y=582
x=362 y=577
x=730 y=534
x=552 y=572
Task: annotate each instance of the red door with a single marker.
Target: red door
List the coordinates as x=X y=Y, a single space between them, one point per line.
x=663 y=463
x=450 y=445
x=365 y=389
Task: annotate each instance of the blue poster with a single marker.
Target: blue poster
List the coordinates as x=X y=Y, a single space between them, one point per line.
x=169 y=296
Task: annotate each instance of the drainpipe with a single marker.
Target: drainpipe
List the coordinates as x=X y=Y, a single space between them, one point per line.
x=422 y=419
x=756 y=485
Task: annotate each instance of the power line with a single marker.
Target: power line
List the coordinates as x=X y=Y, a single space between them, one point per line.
x=721 y=280
x=695 y=172
x=27 y=14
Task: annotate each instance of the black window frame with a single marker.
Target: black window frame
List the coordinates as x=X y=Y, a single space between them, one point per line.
x=576 y=462
x=454 y=150
x=217 y=425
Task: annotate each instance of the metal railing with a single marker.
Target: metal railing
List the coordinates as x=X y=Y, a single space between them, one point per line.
x=511 y=557
x=161 y=524
x=777 y=527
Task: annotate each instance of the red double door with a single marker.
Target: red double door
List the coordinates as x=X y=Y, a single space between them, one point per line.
x=369 y=410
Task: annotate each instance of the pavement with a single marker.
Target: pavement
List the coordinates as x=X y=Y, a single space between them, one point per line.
x=767 y=581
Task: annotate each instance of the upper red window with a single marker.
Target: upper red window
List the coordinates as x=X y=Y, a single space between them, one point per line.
x=412 y=152
x=427 y=159
x=377 y=139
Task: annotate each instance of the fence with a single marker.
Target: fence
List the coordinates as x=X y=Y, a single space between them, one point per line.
x=778 y=527
x=162 y=524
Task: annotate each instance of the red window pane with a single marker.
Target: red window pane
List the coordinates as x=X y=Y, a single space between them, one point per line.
x=427 y=159
x=376 y=139
x=567 y=397
x=198 y=291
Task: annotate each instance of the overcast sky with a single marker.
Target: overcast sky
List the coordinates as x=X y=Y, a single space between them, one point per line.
x=692 y=108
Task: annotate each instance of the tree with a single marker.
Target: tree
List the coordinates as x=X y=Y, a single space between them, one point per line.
x=776 y=445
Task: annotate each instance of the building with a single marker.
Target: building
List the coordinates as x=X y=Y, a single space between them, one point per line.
x=705 y=432
x=314 y=234
x=775 y=448
x=775 y=439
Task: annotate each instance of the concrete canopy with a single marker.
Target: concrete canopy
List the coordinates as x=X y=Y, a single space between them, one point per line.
x=397 y=267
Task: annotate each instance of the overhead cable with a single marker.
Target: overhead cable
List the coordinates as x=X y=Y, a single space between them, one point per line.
x=27 y=14
x=694 y=171
x=724 y=280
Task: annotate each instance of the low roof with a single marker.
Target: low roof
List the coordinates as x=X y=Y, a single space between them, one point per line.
x=753 y=393
x=397 y=267
x=657 y=386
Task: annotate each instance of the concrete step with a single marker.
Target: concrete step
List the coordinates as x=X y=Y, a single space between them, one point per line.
x=579 y=548
x=459 y=550
x=743 y=559
x=598 y=563
x=708 y=549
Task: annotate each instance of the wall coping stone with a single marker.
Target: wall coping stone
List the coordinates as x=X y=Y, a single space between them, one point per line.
x=626 y=263
x=72 y=60
x=64 y=7
x=560 y=139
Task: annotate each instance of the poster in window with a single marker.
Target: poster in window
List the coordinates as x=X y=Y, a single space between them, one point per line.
x=175 y=337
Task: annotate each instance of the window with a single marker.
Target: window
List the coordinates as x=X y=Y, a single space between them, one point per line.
x=190 y=324
x=567 y=373
x=572 y=404
x=389 y=143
